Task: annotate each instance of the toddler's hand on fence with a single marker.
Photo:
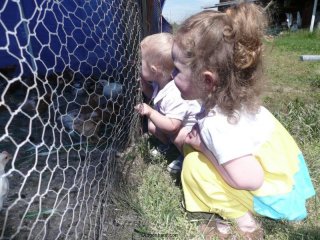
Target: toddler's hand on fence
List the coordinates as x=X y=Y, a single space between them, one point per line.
x=143 y=109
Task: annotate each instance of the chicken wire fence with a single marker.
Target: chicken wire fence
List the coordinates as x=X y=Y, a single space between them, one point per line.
x=68 y=85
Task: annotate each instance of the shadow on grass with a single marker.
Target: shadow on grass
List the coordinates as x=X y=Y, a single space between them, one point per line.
x=291 y=230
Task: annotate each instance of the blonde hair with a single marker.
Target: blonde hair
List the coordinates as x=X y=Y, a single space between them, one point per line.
x=158 y=51
x=228 y=44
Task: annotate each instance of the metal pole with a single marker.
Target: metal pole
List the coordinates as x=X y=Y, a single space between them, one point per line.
x=313 y=14
x=310 y=57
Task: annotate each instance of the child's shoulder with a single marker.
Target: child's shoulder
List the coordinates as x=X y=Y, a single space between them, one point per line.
x=194 y=106
x=170 y=90
x=171 y=85
x=169 y=97
x=243 y=121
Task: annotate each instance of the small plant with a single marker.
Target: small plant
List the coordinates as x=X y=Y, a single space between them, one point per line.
x=160 y=201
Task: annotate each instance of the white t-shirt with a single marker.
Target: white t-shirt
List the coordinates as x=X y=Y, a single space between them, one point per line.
x=229 y=141
x=168 y=101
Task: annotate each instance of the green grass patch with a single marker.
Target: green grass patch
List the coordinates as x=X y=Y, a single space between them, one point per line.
x=160 y=203
x=302 y=42
x=154 y=195
x=301 y=119
x=288 y=79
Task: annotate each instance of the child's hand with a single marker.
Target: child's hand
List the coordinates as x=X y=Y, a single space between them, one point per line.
x=143 y=109
x=193 y=138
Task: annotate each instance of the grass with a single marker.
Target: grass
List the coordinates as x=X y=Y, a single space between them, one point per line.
x=163 y=213
x=154 y=195
x=289 y=78
x=293 y=95
x=302 y=42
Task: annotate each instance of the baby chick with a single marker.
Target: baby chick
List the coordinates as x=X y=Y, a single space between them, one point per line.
x=85 y=124
x=112 y=90
x=4 y=184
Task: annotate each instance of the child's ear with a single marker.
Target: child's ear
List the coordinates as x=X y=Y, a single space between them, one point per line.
x=210 y=80
x=154 y=69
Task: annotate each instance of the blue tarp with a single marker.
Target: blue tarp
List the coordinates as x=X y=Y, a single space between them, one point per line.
x=86 y=36
x=50 y=35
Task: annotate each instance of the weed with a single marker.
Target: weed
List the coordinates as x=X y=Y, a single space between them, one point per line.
x=160 y=202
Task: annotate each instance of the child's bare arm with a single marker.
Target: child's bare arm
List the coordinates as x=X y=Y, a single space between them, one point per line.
x=194 y=139
x=165 y=124
x=244 y=173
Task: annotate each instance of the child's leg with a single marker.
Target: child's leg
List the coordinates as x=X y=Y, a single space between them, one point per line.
x=178 y=139
x=206 y=191
x=158 y=134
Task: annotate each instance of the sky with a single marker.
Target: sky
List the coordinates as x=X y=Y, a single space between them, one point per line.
x=178 y=10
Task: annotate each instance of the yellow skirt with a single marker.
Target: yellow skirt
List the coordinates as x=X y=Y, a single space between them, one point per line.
x=206 y=191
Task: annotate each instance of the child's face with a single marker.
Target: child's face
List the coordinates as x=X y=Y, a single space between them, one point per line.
x=182 y=75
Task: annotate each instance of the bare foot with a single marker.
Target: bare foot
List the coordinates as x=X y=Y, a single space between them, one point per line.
x=249 y=228
x=217 y=229
x=247 y=223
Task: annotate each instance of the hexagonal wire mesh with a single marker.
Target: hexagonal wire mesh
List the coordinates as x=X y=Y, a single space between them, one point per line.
x=68 y=84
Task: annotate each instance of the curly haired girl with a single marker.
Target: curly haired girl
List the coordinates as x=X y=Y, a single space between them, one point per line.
x=246 y=163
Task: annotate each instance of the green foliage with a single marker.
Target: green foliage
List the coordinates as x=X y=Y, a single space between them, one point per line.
x=301 y=41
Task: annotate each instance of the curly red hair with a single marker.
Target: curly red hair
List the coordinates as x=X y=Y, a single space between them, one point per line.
x=230 y=45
